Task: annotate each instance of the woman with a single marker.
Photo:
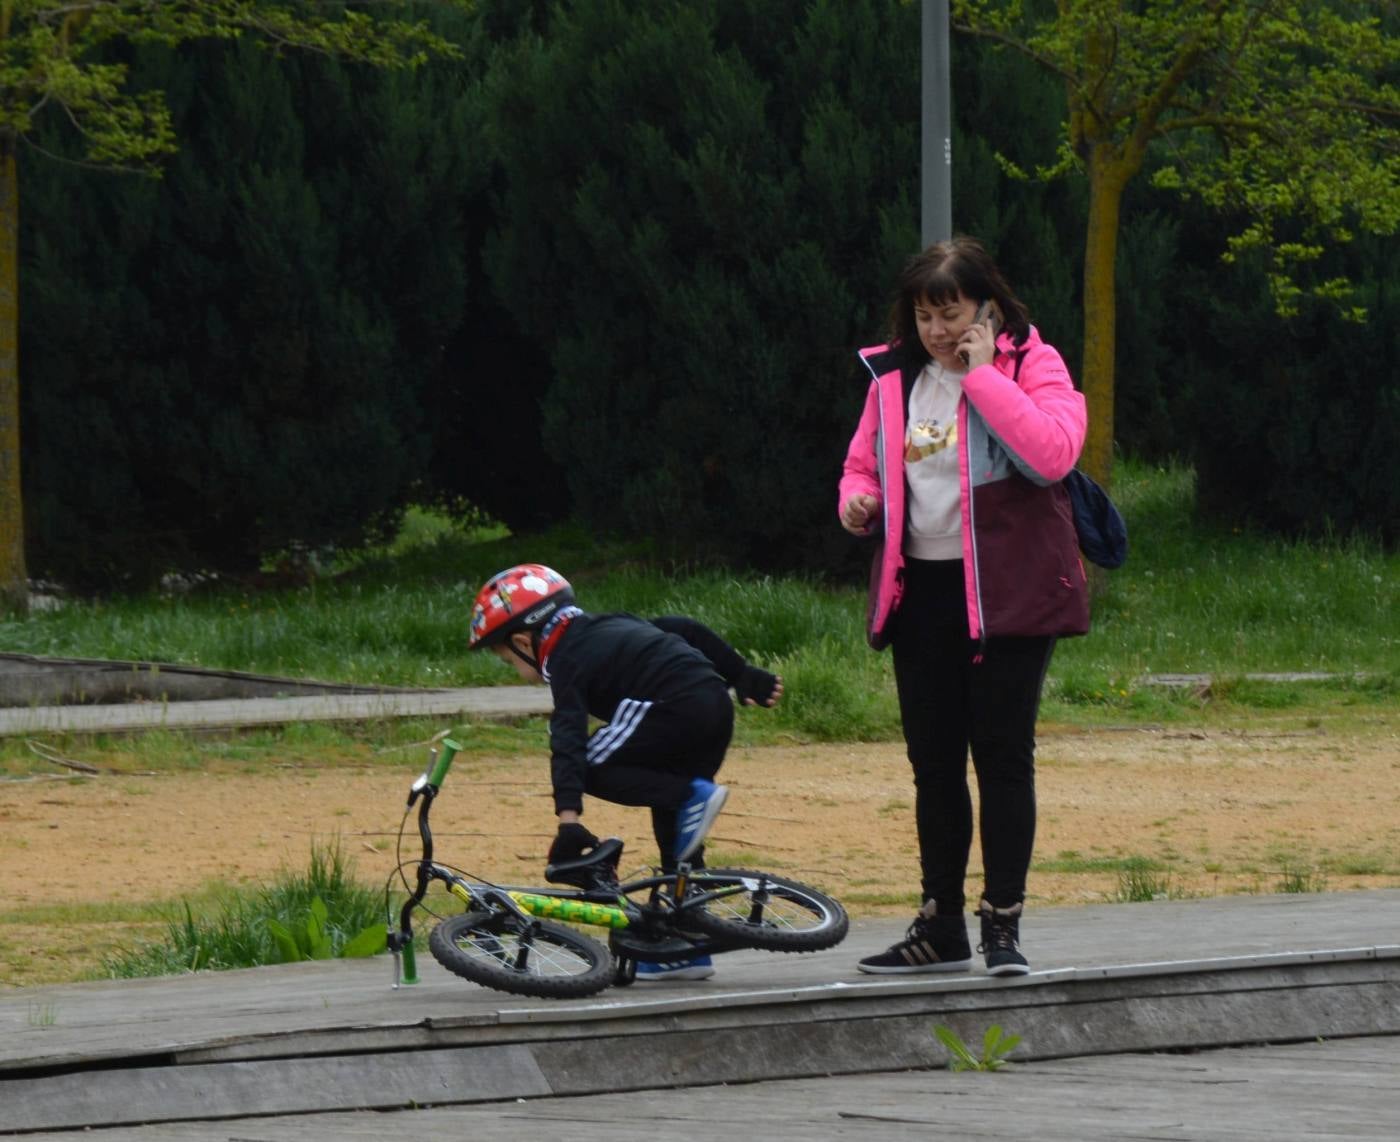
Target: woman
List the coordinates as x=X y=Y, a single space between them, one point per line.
x=970 y=424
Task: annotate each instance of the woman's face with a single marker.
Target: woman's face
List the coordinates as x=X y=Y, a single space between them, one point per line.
x=940 y=324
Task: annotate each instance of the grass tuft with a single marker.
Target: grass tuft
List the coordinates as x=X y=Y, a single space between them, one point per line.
x=232 y=930
x=1142 y=880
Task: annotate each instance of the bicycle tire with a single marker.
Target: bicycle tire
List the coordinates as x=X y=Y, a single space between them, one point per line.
x=499 y=950
x=793 y=918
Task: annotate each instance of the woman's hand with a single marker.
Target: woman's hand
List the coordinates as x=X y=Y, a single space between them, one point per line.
x=857 y=513
x=978 y=344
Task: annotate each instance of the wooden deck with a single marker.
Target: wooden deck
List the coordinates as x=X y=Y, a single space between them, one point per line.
x=201 y=1053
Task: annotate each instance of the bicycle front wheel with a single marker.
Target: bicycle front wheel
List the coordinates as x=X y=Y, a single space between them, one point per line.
x=759 y=910
x=498 y=949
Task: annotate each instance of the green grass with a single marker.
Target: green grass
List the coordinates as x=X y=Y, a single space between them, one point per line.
x=1197 y=600
x=1075 y=864
x=228 y=927
x=1191 y=600
x=1141 y=879
x=1299 y=877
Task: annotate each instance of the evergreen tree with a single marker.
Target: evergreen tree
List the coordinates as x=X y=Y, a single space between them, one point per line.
x=262 y=329
x=63 y=61
x=1295 y=426
x=702 y=208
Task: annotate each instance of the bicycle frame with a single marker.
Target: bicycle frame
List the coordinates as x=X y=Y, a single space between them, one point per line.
x=656 y=924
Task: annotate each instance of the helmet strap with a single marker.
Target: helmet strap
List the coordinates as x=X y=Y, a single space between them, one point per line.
x=532 y=663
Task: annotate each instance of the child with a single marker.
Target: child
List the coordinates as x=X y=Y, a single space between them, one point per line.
x=661 y=689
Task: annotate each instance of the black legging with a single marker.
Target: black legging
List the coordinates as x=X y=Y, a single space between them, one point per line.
x=949 y=703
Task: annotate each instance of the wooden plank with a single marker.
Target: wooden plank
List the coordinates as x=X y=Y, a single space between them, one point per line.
x=369 y=1082
x=1296 y=1093
x=480 y=702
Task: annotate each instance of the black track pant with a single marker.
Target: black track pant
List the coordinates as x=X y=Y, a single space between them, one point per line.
x=671 y=743
x=951 y=701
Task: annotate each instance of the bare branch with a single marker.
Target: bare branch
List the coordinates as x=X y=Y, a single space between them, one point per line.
x=1049 y=63
x=82 y=164
x=56 y=758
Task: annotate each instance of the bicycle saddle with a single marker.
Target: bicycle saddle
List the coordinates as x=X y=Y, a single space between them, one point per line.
x=596 y=869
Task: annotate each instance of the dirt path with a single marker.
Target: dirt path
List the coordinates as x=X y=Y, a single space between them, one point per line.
x=1218 y=812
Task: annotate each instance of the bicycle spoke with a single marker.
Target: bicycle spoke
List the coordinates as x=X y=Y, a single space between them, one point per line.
x=759 y=910
x=763 y=908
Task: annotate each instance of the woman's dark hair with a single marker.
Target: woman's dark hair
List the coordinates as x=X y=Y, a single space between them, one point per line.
x=939 y=274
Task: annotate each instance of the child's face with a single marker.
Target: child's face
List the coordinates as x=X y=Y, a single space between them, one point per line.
x=523 y=668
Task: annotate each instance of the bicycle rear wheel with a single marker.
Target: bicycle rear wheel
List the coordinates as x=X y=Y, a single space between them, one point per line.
x=759 y=910
x=498 y=949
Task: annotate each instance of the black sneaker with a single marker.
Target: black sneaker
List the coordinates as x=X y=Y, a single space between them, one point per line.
x=1001 y=935
x=933 y=943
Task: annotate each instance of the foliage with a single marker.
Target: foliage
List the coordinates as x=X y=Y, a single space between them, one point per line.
x=701 y=209
x=1193 y=600
x=1141 y=881
x=1298 y=877
x=996 y=1045
x=310 y=937
x=260 y=328
x=609 y=264
x=58 y=58
x=1319 y=414
x=1281 y=114
x=1271 y=110
x=322 y=914
x=68 y=63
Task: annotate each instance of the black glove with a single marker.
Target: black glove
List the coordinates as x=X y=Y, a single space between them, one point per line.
x=571 y=843
x=755 y=685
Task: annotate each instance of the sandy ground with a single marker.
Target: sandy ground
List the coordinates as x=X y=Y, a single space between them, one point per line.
x=1219 y=812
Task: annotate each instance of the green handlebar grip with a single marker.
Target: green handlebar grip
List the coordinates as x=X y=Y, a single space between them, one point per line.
x=410 y=964
x=444 y=763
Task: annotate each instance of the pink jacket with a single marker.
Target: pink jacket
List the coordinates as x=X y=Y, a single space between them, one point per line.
x=1017 y=439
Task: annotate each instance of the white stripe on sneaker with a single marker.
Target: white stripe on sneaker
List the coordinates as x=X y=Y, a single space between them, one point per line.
x=694 y=819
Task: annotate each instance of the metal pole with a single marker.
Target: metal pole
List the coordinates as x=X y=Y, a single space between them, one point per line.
x=936 y=123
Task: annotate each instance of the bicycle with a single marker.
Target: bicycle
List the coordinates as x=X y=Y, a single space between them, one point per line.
x=517 y=939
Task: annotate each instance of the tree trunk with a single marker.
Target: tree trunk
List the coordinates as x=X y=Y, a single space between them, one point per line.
x=14 y=579
x=1106 y=182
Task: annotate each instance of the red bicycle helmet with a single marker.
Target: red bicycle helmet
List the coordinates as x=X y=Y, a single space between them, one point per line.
x=518 y=598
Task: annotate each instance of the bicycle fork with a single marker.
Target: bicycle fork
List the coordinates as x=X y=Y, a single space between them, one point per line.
x=400 y=939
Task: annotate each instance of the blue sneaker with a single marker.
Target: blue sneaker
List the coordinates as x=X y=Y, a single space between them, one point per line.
x=696 y=816
x=700 y=967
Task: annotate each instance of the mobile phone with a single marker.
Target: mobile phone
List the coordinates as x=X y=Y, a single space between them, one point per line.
x=986 y=314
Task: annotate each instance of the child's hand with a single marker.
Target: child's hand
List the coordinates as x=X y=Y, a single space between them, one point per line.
x=758 y=688
x=777 y=691
x=571 y=842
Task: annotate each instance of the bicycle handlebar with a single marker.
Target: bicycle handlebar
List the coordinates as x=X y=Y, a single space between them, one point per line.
x=438 y=775
x=439 y=762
